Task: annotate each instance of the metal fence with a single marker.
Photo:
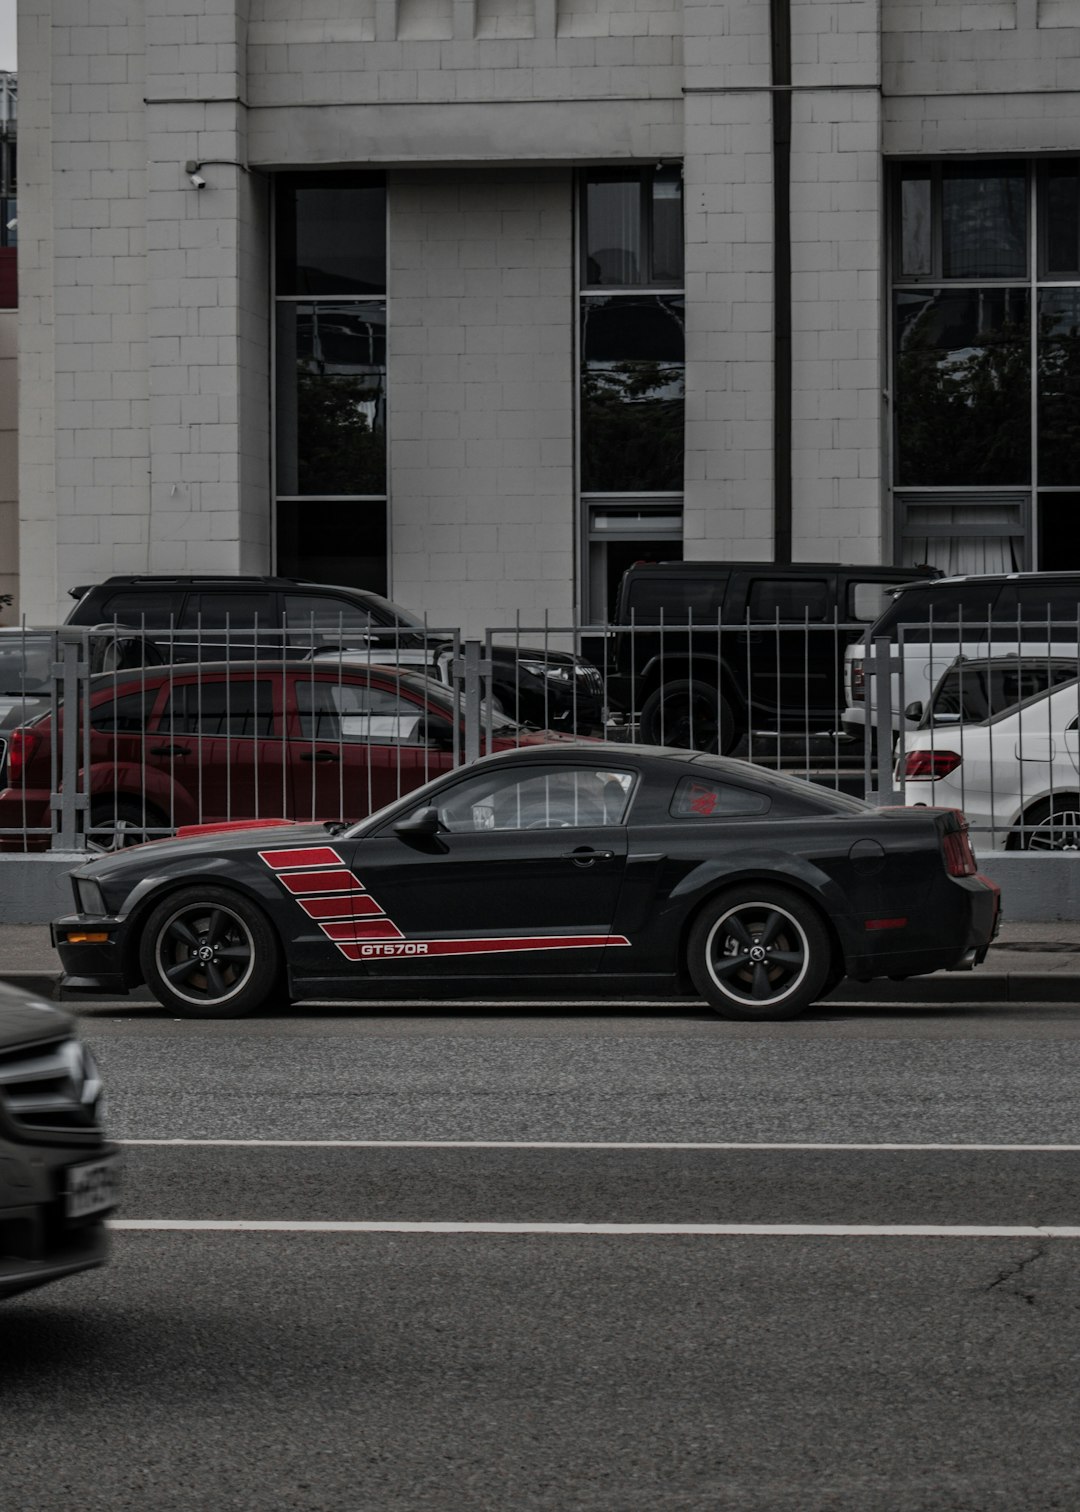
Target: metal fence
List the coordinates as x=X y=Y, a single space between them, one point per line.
x=328 y=721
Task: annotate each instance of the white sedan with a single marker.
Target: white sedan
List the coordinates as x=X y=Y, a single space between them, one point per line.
x=1016 y=775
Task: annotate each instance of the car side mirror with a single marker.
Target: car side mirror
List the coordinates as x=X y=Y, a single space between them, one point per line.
x=436 y=730
x=422 y=825
x=914 y=711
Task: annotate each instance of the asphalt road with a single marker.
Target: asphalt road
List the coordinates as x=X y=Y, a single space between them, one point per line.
x=448 y=1367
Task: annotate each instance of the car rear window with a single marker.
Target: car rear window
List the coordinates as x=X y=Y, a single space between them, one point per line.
x=949 y=604
x=700 y=798
x=157 y=611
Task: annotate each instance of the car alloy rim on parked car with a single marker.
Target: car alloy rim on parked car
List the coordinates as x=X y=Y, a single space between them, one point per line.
x=757 y=953
x=206 y=953
x=1059 y=831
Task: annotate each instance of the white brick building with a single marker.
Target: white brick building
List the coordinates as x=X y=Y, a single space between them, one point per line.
x=480 y=366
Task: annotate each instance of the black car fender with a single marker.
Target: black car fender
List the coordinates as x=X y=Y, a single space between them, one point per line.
x=221 y=870
x=778 y=869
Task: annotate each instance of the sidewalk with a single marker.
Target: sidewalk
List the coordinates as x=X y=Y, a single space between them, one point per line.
x=1027 y=963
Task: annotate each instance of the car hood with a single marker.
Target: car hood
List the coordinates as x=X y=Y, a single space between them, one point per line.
x=142 y=859
x=25 y=1019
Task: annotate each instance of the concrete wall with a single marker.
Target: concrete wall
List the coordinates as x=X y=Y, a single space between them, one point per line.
x=481 y=395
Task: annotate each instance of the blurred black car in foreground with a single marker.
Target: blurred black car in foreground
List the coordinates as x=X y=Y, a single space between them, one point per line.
x=58 y=1177
x=563 y=871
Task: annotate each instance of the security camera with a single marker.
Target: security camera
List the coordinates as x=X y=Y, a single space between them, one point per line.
x=197 y=181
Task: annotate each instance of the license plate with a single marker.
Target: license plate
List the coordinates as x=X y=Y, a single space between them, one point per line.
x=92 y=1188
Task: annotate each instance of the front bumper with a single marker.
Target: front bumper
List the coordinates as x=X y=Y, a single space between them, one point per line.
x=38 y=1242
x=91 y=965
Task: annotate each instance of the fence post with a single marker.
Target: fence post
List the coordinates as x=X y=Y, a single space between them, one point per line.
x=68 y=802
x=882 y=665
x=475 y=668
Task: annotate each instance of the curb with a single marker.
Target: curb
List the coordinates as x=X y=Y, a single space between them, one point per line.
x=960 y=987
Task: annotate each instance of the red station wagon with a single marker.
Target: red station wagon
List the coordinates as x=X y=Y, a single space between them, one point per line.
x=170 y=746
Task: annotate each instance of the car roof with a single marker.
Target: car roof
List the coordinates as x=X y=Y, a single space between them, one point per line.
x=215 y=580
x=178 y=671
x=942 y=584
x=689 y=569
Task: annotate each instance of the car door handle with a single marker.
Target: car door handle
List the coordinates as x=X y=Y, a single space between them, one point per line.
x=585 y=855
x=170 y=750
x=319 y=756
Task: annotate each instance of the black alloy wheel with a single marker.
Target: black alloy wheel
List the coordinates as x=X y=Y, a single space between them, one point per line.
x=690 y=715
x=207 y=952
x=759 y=952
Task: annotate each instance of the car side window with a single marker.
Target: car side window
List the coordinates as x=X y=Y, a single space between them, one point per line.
x=236 y=707
x=564 y=799
x=357 y=714
x=695 y=798
x=867 y=602
x=790 y=600
x=324 y=615
x=232 y=611
x=157 y=611
x=126 y=715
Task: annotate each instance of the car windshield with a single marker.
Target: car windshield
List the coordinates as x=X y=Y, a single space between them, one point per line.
x=25 y=664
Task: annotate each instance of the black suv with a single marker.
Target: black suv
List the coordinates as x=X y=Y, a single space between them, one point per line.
x=222 y=618
x=706 y=652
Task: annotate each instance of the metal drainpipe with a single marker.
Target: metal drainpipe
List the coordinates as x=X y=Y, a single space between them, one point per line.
x=780 y=45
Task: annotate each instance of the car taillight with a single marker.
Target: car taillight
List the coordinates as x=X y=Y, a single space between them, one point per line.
x=959 y=856
x=858 y=680
x=20 y=752
x=928 y=766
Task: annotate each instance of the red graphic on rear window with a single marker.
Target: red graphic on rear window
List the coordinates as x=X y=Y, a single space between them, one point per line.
x=702 y=800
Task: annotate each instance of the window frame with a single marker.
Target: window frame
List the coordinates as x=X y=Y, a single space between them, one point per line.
x=645 y=177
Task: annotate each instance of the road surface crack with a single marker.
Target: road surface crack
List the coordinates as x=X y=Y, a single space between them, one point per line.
x=1040 y=1253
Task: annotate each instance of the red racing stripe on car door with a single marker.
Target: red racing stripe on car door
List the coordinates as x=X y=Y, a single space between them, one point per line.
x=372 y=929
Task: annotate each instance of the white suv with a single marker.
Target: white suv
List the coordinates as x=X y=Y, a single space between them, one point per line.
x=930 y=624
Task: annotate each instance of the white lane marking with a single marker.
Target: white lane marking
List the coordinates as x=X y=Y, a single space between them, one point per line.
x=716 y=1230
x=576 y=1144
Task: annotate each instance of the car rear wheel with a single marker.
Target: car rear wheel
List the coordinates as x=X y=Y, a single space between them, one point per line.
x=1053 y=825
x=692 y=715
x=116 y=823
x=209 y=953
x=759 y=952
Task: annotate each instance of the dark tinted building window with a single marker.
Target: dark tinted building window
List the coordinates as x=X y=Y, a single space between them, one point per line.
x=333 y=541
x=1059 y=386
x=632 y=228
x=1059 y=531
x=331 y=398
x=984 y=220
x=632 y=384
x=1059 y=218
x=331 y=234
x=963 y=387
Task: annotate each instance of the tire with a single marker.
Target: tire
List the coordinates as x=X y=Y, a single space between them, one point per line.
x=118 y=823
x=691 y=715
x=789 y=933
x=1053 y=825
x=239 y=977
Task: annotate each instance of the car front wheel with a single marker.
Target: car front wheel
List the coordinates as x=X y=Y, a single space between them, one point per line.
x=207 y=952
x=759 y=952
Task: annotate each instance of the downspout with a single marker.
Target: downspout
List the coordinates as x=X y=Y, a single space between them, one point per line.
x=780 y=49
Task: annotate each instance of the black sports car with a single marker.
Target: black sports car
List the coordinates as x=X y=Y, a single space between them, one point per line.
x=579 y=870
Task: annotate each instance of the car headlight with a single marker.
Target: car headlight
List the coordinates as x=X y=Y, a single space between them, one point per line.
x=89 y=895
x=551 y=670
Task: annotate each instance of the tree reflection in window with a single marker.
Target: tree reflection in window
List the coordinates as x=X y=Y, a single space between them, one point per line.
x=963 y=376
x=632 y=393
x=332 y=398
x=1059 y=386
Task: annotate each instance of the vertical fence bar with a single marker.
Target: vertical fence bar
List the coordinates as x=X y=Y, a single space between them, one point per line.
x=68 y=801
x=472 y=701
x=882 y=671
